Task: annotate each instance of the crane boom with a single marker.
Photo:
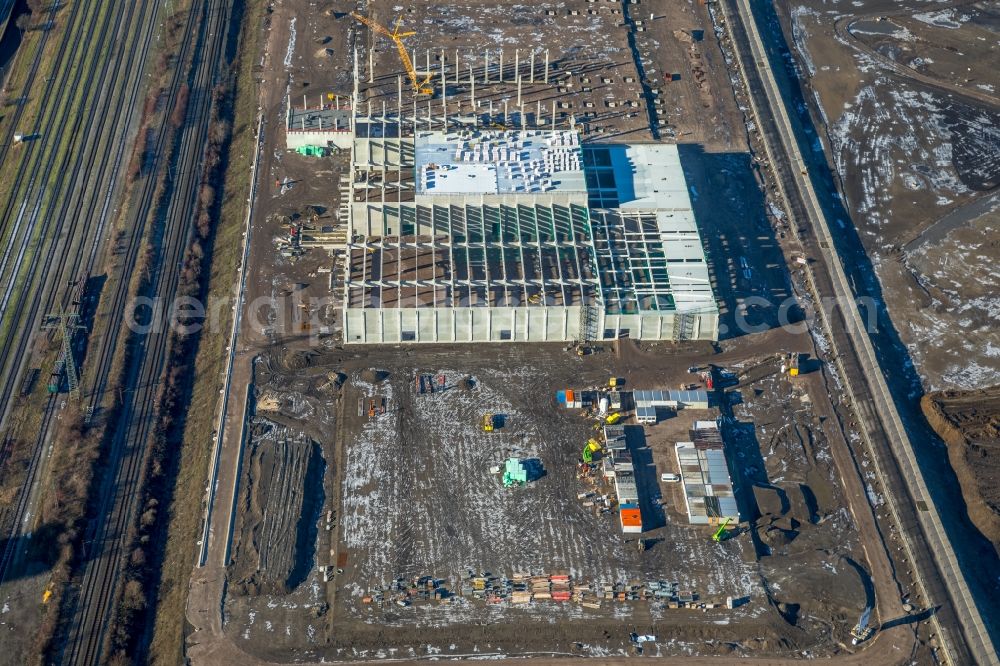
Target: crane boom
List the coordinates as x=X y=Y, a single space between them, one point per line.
x=720 y=533
x=397 y=37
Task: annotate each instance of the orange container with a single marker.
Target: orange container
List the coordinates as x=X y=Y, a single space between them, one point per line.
x=631 y=518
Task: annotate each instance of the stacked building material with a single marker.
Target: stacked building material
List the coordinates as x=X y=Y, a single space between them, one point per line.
x=541 y=587
x=562 y=587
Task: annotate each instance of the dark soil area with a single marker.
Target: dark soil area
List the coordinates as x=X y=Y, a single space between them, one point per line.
x=969 y=422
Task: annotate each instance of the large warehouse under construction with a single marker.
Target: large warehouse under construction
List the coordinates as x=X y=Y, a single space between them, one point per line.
x=477 y=235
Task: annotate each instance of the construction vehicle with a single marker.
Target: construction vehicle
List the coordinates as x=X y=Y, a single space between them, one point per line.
x=488 y=423
x=613 y=382
x=706 y=377
x=372 y=408
x=613 y=418
x=721 y=534
x=592 y=447
x=791 y=364
x=862 y=631
x=419 y=87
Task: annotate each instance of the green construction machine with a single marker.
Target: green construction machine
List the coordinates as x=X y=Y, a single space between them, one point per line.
x=722 y=534
x=592 y=447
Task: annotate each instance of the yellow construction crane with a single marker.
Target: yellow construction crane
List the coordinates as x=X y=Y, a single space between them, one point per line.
x=397 y=37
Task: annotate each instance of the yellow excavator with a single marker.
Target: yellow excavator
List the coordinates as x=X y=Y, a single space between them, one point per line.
x=419 y=87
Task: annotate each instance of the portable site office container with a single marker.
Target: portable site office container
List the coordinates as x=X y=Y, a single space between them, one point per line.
x=625 y=487
x=646 y=415
x=630 y=518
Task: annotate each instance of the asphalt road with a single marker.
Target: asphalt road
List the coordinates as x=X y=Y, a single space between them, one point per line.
x=926 y=543
x=959 y=217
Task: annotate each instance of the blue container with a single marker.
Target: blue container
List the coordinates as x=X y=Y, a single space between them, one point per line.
x=561 y=396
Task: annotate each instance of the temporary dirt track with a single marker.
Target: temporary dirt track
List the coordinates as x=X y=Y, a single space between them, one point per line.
x=398 y=477
x=440 y=627
x=909 y=112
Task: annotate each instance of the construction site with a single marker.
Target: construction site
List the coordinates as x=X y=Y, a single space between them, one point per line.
x=467 y=490
x=518 y=383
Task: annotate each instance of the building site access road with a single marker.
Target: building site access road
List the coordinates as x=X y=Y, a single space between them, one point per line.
x=872 y=401
x=843 y=26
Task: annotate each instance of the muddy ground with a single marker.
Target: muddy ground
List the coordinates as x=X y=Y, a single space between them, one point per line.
x=910 y=108
x=411 y=495
x=969 y=423
x=408 y=493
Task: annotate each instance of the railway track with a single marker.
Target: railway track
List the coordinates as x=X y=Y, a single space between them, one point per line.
x=136 y=226
x=47 y=256
x=8 y=138
x=93 y=604
x=75 y=216
x=21 y=504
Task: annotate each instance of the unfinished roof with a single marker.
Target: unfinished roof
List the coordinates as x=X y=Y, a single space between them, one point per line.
x=326 y=119
x=499 y=219
x=639 y=176
x=649 y=263
x=519 y=256
x=499 y=162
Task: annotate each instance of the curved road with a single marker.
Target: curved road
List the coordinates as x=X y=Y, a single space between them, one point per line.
x=842 y=26
x=931 y=529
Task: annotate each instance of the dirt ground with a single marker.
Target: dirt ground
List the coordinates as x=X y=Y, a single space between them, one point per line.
x=416 y=499
x=969 y=423
x=725 y=193
x=911 y=108
x=408 y=493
